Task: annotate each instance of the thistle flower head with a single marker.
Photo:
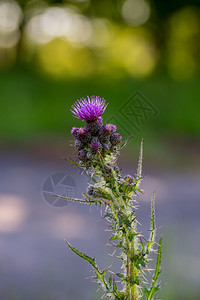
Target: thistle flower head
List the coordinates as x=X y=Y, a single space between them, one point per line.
x=89 y=109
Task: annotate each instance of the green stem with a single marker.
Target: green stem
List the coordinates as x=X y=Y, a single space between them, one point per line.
x=133 y=274
x=131 y=270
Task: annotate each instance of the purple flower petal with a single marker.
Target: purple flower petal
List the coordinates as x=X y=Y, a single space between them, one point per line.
x=89 y=109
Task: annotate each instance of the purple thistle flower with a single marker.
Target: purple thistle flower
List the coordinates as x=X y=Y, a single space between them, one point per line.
x=89 y=109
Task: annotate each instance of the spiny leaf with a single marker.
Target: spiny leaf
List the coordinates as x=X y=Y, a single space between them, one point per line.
x=75 y=199
x=142 y=244
x=84 y=256
x=95 y=200
x=131 y=237
x=153 y=228
x=93 y=179
x=154 y=288
x=114 y=286
x=100 y=275
x=139 y=169
x=114 y=237
x=110 y=281
x=153 y=212
x=73 y=162
x=126 y=142
x=108 y=215
x=120 y=275
x=158 y=264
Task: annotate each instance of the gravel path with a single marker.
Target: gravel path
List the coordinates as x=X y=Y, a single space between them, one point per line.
x=34 y=260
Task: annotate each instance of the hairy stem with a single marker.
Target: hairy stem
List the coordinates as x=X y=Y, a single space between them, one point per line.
x=133 y=272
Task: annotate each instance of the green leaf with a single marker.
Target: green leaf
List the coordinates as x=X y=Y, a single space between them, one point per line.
x=110 y=281
x=100 y=275
x=108 y=215
x=153 y=212
x=154 y=288
x=146 y=291
x=93 y=179
x=73 y=162
x=142 y=244
x=114 y=237
x=131 y=237
x=120 y=275
x=139 y=169
x=153 y=227
x=75 y=199
x=84 y=256
x=114 y=286
x=158 y=264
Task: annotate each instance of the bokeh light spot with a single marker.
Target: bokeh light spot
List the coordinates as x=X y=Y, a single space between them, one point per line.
x=58 y=22
x=134 y=50
x=10 y=16
x=13 y=212
x=135 y=12
x=59 y=58
x=10 y=19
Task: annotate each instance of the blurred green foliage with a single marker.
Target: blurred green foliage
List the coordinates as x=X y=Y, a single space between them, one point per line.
x=32 y=104
x=54 y=52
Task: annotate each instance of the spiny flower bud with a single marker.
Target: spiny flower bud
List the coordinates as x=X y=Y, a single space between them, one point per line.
x=91 y=191
x=90 y=155
x=78 y=144
x=82 y=132
x=109 y=128
x=105 y=147
x=82 y=155
x=74 y=131
x=106 y=131
x=97 y=192
x=84 y=135
x=107 y=172
x=115 y=138
x=95 y=145
x=94 y=126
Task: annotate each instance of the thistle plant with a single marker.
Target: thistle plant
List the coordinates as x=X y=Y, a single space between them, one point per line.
x=98 y=147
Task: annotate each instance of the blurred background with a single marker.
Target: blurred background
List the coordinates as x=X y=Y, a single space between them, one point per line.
x=143 y=57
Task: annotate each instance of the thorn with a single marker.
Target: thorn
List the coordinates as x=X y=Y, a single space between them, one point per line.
x=90 y=277
x=108 y=229
x=98 y=289
x=111 y=272
x=108 y=268
x=100 y=219
x=138 y=223
x=112 y=253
